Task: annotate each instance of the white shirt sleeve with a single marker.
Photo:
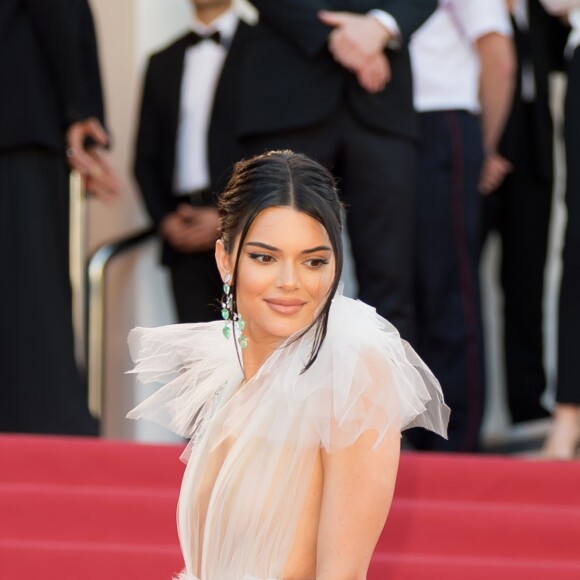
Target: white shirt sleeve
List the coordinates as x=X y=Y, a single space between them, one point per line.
x=560 y=6
x=476 y=18
x=390 y=24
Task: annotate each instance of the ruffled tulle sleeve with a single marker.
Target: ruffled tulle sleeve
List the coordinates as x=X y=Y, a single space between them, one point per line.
x=191 y=362
x=366 y=378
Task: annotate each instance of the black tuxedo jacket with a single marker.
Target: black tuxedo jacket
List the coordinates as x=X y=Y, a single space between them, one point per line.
x=292 y=81
x=544 y=43
x=159 y=121
x=49 y=73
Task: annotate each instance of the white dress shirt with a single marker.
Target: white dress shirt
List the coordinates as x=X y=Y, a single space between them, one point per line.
x=574 y=38
x=201 y=73
x=444 y=59
x=571 y=9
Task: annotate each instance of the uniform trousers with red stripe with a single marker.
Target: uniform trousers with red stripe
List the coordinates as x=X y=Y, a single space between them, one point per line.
x=447 y=296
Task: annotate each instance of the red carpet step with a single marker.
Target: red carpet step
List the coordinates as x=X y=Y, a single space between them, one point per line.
x=87 y=509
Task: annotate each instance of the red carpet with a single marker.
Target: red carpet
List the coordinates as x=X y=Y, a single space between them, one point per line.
x=73 y=509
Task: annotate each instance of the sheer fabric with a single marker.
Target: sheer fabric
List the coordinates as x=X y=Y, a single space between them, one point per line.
x=253 y=445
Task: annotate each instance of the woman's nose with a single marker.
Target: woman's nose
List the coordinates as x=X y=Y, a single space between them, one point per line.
x=287 y=277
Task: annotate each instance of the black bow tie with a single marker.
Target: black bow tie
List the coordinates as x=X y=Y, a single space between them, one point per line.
x=193 y=37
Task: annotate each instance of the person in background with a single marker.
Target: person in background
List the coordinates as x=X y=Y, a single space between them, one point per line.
x=463 y=66
x=564 y=439
x=519 y=207
x=186 y=144
x=337 y=86
x=50 y=103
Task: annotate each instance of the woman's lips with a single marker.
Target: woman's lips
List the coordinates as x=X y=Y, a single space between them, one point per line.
x=286 y=307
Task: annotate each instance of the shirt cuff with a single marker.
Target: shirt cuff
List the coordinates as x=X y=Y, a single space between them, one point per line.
x=390 y=24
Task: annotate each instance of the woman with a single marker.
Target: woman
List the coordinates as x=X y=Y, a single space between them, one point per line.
x=294 y=405
x=564 y=438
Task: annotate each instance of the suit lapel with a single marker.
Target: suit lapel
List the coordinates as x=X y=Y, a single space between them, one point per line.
x=223 y=148
x=172 y=88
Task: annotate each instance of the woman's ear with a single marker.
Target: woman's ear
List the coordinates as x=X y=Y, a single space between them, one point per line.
x=222 y=259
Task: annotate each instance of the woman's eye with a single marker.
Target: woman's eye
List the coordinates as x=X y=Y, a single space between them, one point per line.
x=316 y=263
x=263 y=258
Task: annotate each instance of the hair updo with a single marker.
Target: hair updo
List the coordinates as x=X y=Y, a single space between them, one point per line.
x=283 y=179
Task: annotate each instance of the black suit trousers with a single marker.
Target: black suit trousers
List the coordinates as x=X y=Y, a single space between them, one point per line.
x=376 y=176
x=520 y=212
x=568 y=390
x=42 y=390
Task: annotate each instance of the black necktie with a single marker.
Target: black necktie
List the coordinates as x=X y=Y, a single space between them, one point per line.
x=194 y=38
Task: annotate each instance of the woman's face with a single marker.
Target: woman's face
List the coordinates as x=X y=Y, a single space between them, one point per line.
x=285 y=272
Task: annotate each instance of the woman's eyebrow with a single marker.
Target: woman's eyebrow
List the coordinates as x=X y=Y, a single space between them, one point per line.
x=317 y=249
x=264 y=246
x=274 y=249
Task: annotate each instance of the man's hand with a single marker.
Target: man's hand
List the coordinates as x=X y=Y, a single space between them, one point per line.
x=92 y=162
x=191 y=229
x=171 y=229
x=493 y=172
x=375 y=75
x=356 y=37
x=356 y=42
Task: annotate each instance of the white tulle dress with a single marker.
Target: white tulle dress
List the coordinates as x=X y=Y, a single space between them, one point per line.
x=253 y=445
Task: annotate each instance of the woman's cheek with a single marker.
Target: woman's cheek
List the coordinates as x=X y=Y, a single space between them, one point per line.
x=256 y=280
x=321 y=285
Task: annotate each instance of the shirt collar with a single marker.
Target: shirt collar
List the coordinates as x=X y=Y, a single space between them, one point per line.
x=225 y=24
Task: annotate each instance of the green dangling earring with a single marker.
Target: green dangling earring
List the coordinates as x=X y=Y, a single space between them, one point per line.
x=231 y=316
x=227 y=305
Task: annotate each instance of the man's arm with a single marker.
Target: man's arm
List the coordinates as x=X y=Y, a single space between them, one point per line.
x=497 y=83
x=298 y=20
x=59 y=30
x=486 y=24
x=358 y=41
x=148 y=154
x=54 y=26
x=408 y=14
x=86 y=38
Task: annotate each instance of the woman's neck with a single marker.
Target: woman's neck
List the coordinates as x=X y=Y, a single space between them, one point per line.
x=255 y=355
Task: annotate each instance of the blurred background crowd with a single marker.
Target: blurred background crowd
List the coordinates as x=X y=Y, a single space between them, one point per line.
x=452 y=127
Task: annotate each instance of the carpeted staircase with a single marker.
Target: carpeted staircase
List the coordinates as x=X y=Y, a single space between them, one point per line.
x=75 y=509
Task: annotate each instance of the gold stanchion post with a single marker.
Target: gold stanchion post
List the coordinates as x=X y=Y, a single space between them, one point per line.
x=77 y=259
